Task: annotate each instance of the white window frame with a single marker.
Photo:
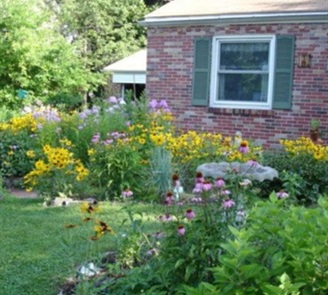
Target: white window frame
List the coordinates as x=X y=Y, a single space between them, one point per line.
x=216 y=45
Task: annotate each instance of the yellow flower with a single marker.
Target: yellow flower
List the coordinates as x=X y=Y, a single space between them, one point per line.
x=141 y=140
x=30 y=154
x=89 y=208
x=91 y=152
x=101 y=229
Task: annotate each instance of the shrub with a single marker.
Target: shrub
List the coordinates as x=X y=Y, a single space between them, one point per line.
x=308 y=161
x=275 y=253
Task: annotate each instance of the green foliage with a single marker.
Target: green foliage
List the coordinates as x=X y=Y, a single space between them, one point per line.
x=35 y=58
x=275 y=254
x=103 y=31
x=6 y=114
x=309 y=176
x=14 y=161
x=186 y=258
x=65 y=101
x=116 y=168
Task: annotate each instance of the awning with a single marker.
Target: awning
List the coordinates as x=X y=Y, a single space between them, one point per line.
x=131 y=69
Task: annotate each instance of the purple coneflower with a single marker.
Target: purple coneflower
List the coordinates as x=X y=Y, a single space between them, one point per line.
x=190 y=214
x=206 y=186
x=199 y=178
x=219 y=182
x=244 y=149
x=181 y=230
x=198 y=188
x=228 y=203
x=127 y=193
x=169 y=198
x=282 y=194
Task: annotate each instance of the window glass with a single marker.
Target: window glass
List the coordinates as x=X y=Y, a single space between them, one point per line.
x=244 y=56
x=243 y=87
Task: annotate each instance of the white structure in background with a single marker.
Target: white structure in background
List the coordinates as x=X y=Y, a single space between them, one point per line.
x=130 y=72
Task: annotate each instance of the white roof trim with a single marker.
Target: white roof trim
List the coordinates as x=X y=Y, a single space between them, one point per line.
x=237 y=18
x=136 y=62
x=129 y=77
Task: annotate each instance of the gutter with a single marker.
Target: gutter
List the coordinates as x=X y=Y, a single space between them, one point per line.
x=304 y=17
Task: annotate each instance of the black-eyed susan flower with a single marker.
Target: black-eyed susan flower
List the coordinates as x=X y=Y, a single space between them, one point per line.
x=102 y=228
x=89 y=208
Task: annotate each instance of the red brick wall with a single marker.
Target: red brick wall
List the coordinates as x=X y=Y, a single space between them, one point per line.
x=169 y=76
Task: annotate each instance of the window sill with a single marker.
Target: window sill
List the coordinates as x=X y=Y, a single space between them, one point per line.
x=242 y=112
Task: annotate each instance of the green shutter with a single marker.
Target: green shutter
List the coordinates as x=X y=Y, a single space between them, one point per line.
x=201 y=79
x=283 y=77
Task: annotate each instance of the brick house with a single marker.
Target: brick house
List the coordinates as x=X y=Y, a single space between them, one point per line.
x=255 y=66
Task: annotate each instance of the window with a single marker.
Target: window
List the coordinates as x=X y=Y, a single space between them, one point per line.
x=242 y=72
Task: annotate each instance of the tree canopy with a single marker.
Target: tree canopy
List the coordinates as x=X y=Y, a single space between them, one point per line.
x=103 y=30
x=53 y=47
x=34 y=56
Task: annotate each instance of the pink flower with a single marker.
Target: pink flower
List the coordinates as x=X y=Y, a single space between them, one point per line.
x=108 y=141
x=219 y=182
x=244 y=149
x=127 y=193
x=228 y=203
x=198 y=188
x=282 y=194
x=206 y=185
x=199 y=178
x=196 y=200
x=166 y=217
x=181 y=230
x=95 y=138
x=190 y=214
x=180 y=204
x=169 y=199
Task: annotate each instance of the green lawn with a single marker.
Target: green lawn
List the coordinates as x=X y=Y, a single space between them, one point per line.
x=38 y=253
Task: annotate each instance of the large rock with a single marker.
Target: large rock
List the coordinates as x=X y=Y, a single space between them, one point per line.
x=247 y=170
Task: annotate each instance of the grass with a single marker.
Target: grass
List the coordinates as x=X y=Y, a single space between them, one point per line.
x=38 y=253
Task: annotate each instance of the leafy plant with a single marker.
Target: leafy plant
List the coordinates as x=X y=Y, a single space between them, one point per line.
x=271 y=255
x=308 y=172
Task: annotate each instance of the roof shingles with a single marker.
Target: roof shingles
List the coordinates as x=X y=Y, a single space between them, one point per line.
x=192 y=8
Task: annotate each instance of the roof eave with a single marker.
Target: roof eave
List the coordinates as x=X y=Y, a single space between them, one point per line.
x=307 y=17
